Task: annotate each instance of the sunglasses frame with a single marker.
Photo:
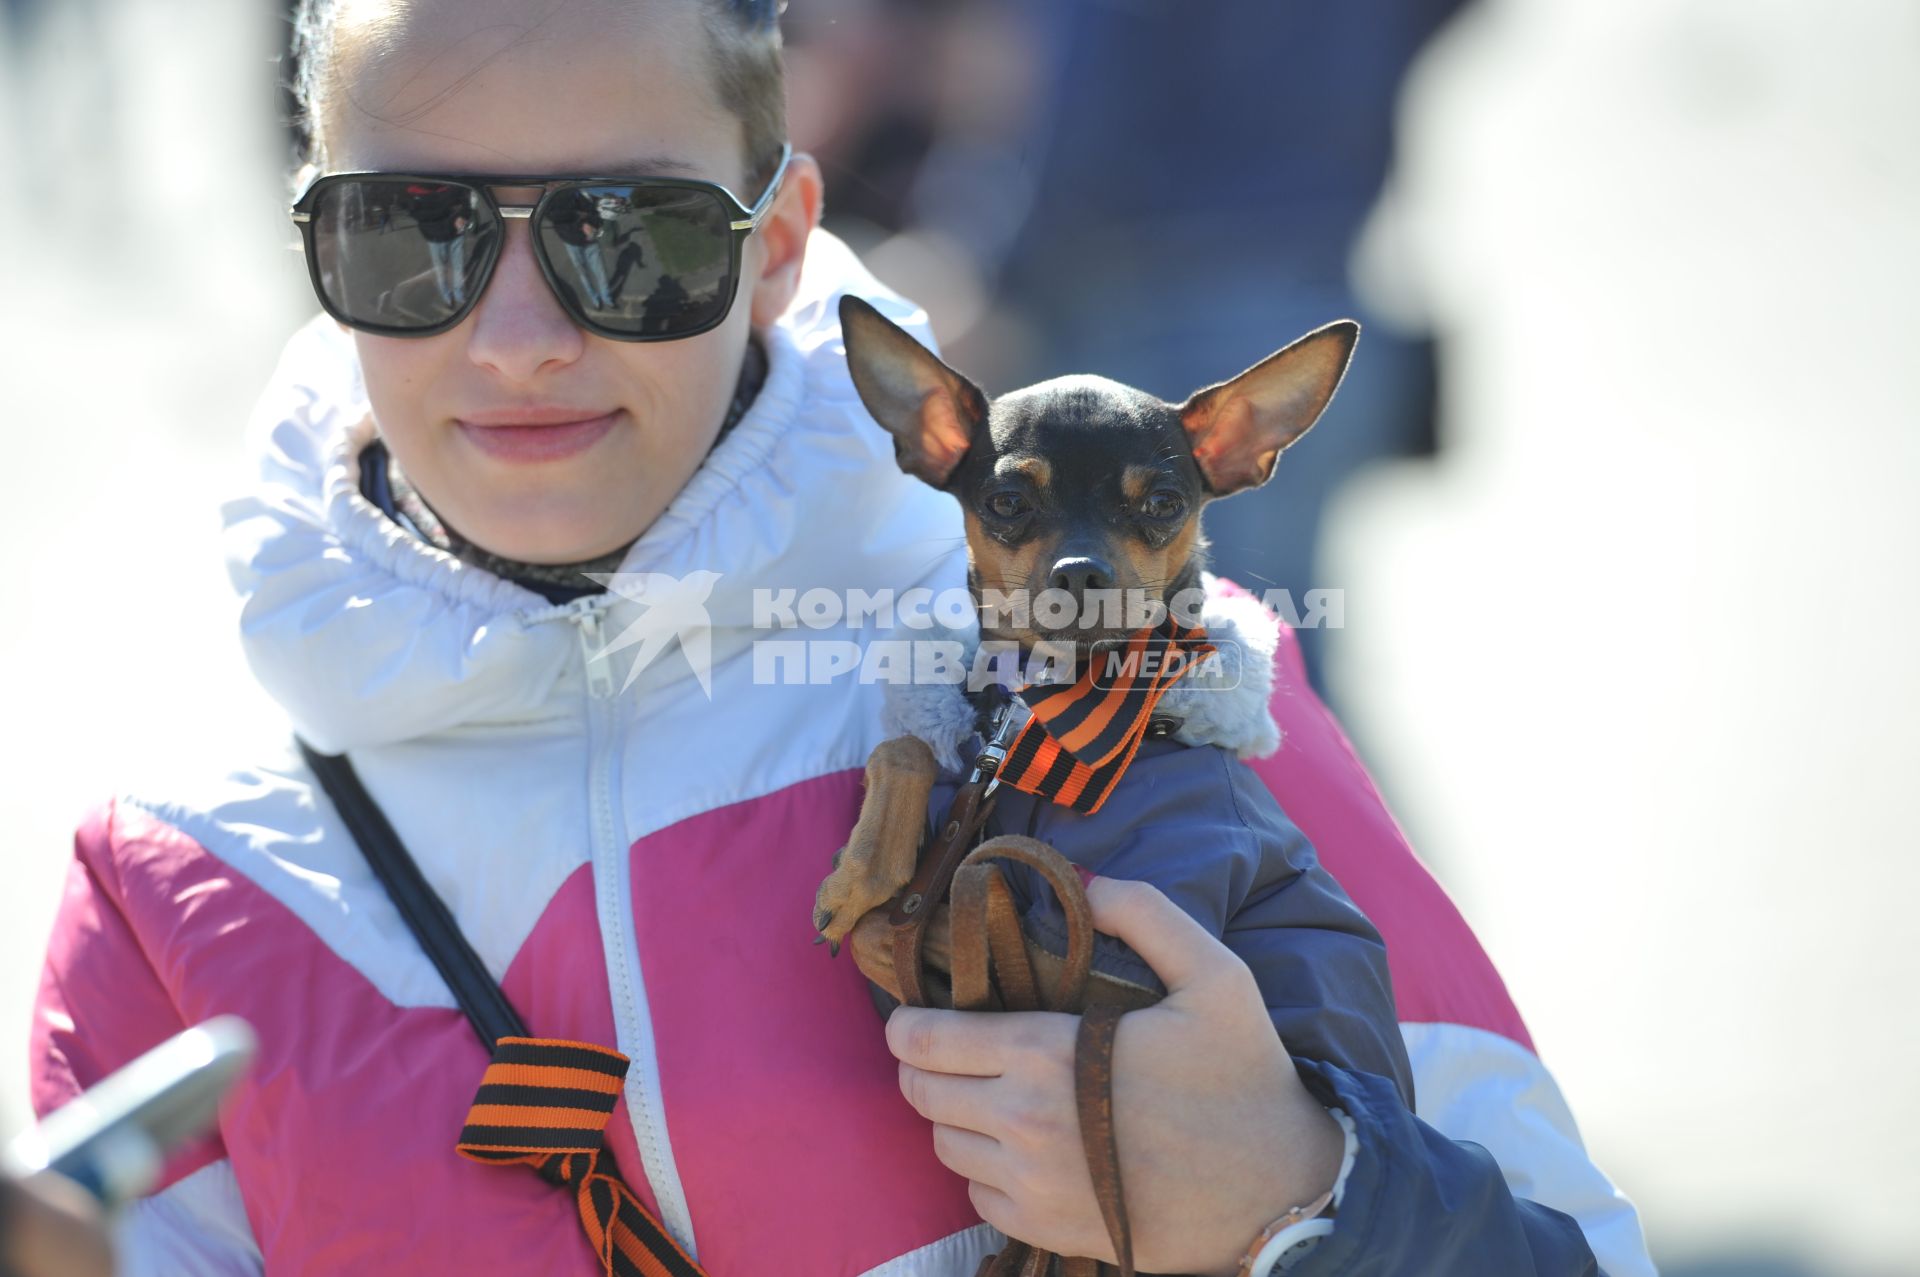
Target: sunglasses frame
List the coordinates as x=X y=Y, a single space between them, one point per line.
x=743 y=222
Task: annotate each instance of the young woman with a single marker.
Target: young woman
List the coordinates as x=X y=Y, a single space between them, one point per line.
x=624 y=814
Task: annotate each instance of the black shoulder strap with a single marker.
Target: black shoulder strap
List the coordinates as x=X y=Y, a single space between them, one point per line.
x=487 y=1008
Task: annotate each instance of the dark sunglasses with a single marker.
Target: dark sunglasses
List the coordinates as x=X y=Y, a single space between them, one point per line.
x=633 y=259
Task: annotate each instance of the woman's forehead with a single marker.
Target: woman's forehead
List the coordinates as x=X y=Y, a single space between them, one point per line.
x=581 y=86
x=394 y=22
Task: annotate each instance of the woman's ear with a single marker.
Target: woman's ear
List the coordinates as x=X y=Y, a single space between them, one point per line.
x=783 y=240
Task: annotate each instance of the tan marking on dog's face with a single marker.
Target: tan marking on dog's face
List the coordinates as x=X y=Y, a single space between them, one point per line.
x=1036 y=470
x=1136 y=482
x=1154 y=569
x=999 y=566
x=1014 y=571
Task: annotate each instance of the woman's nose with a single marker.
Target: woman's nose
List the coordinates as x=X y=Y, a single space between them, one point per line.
x=519 y=329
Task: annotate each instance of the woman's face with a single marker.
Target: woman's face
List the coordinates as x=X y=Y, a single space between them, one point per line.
x=527 y=435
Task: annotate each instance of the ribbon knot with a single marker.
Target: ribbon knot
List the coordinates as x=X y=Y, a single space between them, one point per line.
x=545 y=1104
x=1082 y=735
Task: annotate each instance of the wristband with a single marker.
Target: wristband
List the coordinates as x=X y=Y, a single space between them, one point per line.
x=1287 y=1240
x=1302 y=1223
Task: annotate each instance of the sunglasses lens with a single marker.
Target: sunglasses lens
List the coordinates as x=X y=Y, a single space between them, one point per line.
x=401 y=255
x=641 y=261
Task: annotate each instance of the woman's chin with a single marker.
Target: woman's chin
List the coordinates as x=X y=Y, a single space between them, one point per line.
x=527 y=538
x=569 y=511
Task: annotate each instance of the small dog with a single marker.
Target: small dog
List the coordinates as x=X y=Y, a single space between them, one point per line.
x=1080 y=485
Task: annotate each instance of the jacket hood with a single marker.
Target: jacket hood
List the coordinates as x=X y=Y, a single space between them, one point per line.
x=368 y=636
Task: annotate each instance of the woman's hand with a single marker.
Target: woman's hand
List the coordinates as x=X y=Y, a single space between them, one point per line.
x=1217 y=1134
x=49 y=1227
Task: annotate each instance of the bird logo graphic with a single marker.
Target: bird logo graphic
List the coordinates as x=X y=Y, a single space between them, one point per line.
x=675 y=610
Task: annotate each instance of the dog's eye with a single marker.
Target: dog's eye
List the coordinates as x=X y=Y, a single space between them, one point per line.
x=1006 y=505
x=1164 y=503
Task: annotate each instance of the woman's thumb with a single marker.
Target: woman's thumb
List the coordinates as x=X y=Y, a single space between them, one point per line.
x=1180 y=951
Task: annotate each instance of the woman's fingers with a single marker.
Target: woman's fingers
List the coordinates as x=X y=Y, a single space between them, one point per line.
x=972 y=1043
x=944 y=1098
x=944 y=1041
x=995 y=1207
x=53 y=1230
x=969 y=1154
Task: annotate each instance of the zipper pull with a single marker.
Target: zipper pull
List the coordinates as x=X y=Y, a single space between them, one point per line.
x=592 y=649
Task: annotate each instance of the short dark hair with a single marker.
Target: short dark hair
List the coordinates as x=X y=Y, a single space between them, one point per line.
x=751 y=77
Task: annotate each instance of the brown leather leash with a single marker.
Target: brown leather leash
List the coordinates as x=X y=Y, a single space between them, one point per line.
x=991 y=970
x=966 y=817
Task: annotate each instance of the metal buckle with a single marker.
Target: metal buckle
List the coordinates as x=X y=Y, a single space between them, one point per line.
x=986 y=765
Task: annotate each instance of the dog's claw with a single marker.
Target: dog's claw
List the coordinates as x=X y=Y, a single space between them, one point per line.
x=822 y=919
x=833 y=948
x=819 y=939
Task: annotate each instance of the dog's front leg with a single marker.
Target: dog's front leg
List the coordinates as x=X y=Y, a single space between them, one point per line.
x=881 y=854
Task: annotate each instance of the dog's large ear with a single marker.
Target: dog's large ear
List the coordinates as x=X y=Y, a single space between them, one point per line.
x=1239 y=428
x=930 y=410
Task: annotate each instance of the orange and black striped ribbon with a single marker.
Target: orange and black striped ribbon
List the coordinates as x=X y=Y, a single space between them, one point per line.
x=1083 y=734
x=545 y=1104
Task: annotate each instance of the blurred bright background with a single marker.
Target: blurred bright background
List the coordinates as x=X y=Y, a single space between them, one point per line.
x=1621 y=491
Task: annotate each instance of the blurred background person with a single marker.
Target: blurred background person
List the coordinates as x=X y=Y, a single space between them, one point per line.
x=1635 y=648
x=1157 y=193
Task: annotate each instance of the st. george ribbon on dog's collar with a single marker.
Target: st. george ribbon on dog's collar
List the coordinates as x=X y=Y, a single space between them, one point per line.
x=1082 y=735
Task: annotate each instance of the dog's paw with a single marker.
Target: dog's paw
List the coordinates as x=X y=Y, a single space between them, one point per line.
x=861 y=880
x=881 y=853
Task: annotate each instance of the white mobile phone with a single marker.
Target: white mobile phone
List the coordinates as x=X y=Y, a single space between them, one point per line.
x=113 y=1138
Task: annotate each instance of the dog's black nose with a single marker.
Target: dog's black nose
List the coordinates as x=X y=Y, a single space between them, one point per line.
x=1081 y=574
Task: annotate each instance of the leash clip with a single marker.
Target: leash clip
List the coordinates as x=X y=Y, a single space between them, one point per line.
x=986 y=764
x=965 y=815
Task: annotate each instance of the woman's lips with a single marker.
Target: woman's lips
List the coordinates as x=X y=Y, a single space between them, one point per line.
x=537 y=435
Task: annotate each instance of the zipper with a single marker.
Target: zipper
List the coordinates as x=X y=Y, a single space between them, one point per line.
x=620 y=951
x=599 y=668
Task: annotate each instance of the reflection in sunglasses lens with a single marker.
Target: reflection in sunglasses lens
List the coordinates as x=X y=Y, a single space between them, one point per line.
x=399 y=254
x=638 y=260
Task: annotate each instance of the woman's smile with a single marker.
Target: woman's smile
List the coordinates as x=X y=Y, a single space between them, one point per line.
x=528 y=435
